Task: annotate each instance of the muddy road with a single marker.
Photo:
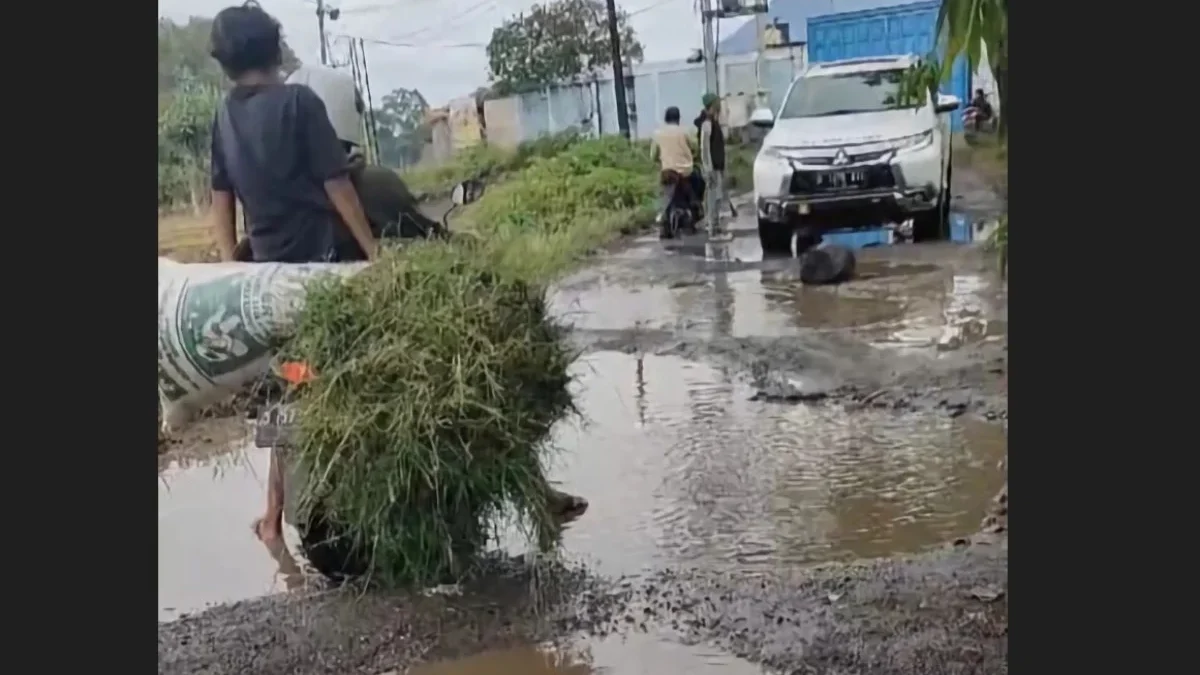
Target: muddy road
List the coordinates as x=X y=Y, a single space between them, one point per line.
x=781 y=478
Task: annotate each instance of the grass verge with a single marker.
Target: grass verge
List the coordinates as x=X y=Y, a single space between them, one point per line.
x=441 y=373
x=988 y=155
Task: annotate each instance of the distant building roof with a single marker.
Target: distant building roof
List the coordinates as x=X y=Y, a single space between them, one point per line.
x=795 y=13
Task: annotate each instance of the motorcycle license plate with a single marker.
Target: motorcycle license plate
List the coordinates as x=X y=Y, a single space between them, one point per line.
x=842 y=179
x=275 y=426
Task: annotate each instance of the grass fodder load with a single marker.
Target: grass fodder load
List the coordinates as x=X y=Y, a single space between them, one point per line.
x=438 y=382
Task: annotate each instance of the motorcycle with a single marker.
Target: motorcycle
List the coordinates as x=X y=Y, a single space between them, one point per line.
x=329 y=553
x=974 y=122
x=391 y=211
x=683 y=210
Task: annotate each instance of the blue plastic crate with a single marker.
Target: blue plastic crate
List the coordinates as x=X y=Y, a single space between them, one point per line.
x=962 y=231
x=856 y=239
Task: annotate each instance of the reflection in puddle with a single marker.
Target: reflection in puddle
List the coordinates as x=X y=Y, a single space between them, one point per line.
x=890 y=305
x=713 y=479
x=206 y=551
x=964 y=315
x=635 y=654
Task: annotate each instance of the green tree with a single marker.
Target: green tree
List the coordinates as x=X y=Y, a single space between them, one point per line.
x=183 y=55
x=555 y=42
x=184 y=142
x=400 y=124
x=971 y=27
x=190 y=84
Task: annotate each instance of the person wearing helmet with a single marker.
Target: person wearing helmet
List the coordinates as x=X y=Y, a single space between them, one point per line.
x=385 y=198
x=342 y=99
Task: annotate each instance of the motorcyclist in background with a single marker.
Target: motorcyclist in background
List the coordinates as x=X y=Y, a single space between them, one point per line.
x=679 y=176
x=984 y=113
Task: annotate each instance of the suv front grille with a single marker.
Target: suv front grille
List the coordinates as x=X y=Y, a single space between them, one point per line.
x=843 y=180
x=854 y=159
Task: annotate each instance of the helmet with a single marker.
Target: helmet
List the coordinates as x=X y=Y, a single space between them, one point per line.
x=336 y=88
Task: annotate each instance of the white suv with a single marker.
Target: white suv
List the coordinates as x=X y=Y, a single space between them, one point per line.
x=842 y=154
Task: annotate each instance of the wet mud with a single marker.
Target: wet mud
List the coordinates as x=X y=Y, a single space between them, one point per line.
x=780 y=477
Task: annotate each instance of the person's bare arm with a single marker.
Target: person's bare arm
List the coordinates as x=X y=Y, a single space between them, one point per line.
x=222 y=210
x=222 y=222
x=328 y=163
x=345 y=199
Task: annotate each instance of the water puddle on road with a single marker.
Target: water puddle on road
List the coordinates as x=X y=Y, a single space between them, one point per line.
x=679 y=467
x=635 y=654
x=891 y=304
x=206 y=552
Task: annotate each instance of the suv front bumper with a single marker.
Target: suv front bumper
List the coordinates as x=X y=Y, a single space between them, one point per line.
x=901 y=183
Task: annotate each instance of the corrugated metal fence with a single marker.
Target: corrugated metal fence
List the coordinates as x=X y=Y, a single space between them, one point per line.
x=653 y=87
x=592 y=106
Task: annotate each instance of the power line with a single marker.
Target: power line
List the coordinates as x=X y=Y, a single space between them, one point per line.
x=461 y=15
x=656 y=5
x=413 y=45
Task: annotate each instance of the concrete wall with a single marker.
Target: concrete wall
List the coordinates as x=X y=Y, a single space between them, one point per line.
x=465 y=127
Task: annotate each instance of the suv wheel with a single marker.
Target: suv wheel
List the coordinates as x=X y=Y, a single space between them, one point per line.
x=934 y=224
x=776 y=239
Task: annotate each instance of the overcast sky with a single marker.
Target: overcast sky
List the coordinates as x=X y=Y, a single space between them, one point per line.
x=669 y=29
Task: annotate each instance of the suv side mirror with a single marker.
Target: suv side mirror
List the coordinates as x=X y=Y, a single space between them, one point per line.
x=946 y=103
x=762 y=118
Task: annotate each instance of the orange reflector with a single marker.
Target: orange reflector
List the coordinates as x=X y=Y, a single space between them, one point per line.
x=295 y=372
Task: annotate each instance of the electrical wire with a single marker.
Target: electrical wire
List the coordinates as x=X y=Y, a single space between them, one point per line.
x=647 y=8
x=446 y=24
x=413 y=45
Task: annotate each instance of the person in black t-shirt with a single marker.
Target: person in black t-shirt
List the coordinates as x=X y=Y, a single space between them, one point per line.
x=275 y=150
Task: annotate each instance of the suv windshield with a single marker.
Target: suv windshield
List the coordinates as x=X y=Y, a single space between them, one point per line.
x=844 y=94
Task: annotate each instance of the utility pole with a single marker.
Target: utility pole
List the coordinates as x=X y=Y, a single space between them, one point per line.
x=762 y=98
x=322 y=12
x=707 y=16
x=618 y=69
x=321 y=30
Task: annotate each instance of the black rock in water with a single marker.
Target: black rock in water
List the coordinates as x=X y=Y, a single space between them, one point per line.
x=829 y=264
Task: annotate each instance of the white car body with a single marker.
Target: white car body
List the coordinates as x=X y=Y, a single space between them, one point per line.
x=883 y=162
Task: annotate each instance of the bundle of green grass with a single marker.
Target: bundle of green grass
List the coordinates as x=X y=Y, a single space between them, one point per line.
x=440 y=372
x=438 y=382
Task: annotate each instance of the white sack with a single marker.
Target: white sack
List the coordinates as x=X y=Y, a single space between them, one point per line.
x=219 y=324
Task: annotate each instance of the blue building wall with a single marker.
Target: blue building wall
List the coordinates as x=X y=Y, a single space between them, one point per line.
x=901 y=29
x=796 y=14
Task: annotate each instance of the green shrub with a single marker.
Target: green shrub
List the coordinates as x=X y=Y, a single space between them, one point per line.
x=487 y=162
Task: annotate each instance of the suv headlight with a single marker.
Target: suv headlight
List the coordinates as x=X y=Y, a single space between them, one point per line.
x=770 y=153
x=915 y=142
